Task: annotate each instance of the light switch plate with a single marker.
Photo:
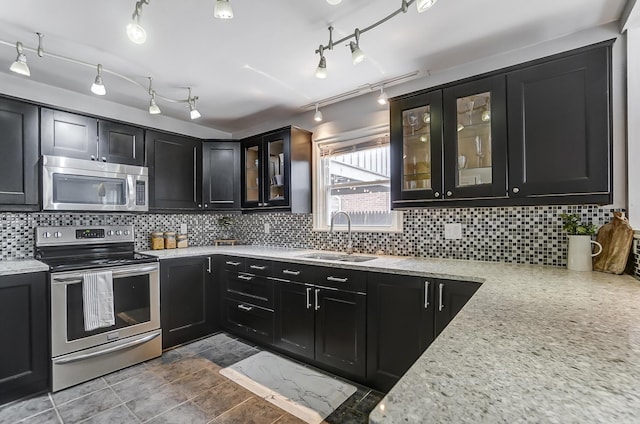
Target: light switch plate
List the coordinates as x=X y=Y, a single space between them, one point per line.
x=453 y=231
x=267 y=228
x=183 y=228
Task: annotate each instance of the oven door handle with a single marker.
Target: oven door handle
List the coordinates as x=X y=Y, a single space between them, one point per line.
x=128 y=345
x=115 y=274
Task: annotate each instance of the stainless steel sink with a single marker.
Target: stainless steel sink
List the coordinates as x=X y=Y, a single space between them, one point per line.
x=337 y=257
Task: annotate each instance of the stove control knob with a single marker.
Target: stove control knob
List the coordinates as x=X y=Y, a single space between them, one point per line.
x=57 y=234
x=118 y=232
x=127 y=232
x=46 y=234
x=110 y=232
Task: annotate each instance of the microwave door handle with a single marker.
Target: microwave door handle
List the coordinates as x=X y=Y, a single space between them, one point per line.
x=102 y=192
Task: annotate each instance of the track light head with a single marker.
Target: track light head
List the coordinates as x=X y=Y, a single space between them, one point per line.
x=223 y=10
x=98 y=87
x=20 y=65
x=193 y=112
x=334 y=2
x=136 y=33
x=383 y=98
x=153 y=106
x=318 y=115
x=357 y=55
x=423 y=5
x=321 y=70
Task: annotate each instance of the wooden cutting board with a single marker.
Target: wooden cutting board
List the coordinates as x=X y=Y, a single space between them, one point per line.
x=616 y=239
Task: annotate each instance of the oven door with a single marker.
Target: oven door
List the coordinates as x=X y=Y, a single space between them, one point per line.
x=136 y=301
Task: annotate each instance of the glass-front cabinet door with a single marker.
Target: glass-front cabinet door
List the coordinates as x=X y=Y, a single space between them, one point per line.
x=475 y=139
x=416 y=149
x=251 y=172
x=276 y=175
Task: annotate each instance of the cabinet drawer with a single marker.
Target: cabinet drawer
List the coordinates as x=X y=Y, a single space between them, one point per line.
x=258 y=266
x=233 y=263
x=247 y=287
x=295 y=272
x=343 y=279
x=249 y=320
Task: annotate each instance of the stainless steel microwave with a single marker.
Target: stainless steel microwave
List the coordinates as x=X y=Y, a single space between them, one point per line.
x=84 y=185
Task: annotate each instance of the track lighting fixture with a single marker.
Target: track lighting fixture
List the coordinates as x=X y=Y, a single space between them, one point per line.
x=318 y=115
x=223 y=10
x=98 y=87
x=334 y=2
x=357 y=55
x=383 y=98
x=20 y=65
x=153 y=106
x=423 y=5
x=321 y=70
x=193 y=112
x=135 y=32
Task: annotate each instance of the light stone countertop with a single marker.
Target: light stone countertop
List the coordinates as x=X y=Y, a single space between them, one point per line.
x=21 y=266
x=534 y=344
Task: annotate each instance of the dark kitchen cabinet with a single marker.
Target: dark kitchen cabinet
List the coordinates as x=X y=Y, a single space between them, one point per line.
x=401 y=322
x=559 y=127
x=188 y=299
x=450 y=297
x=295 y=319
x=120 y=143
x=19 y=149
x=24 y=329
x=68 y=134
x=221 y=175
x=276 y=171
x=175 y=171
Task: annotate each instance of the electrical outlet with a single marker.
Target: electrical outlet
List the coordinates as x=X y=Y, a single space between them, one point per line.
x=267 y=228
x=453 y=231
x=183 y=228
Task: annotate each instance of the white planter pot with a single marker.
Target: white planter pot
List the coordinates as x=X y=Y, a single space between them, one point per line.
x=580 y=253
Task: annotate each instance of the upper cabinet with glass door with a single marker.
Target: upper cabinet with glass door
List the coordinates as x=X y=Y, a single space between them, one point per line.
x=475 y=139
x=416 y=149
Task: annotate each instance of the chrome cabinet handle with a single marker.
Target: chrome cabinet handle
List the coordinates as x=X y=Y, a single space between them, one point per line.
x=516 y=190
x=436 y=194
x=232 y=263
x=426 y=294
x=317 y=306
x=245 y=308
x=260 y=267
x=449 y=193
x=309 y=297
x=209 y=264
x=337 y=280
x=245 y=277
x=440 y=290
x=286 y=271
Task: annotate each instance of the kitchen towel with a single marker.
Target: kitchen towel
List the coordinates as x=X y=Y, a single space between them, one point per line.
x=97 y=300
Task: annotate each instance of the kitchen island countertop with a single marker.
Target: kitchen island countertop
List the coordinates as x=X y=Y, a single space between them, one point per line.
x=534 y=344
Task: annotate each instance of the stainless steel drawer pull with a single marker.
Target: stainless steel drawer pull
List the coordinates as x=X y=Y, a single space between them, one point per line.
x=209 y=264
x=128 y=345
x=426 y=294
x=287 y=271
x=260 y=267
x=232 y=263
x=309 y=297
x=440 y=290
x=245 y=277
x=317 y=304
x=245 y=308
x=337 y=279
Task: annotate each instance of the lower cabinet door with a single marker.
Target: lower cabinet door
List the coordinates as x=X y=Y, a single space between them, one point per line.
x=400 y=325
x=340 y=330
x=295 y=317
x=24 y=328
x=246 y=319
x=450 y=297
x=187 y=300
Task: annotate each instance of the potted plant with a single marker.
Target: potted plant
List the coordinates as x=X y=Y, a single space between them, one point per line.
x=579 y=253
x=225 y=222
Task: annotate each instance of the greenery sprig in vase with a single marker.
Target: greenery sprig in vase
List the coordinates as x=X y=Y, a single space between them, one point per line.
x=572 y=225
x=226 y=222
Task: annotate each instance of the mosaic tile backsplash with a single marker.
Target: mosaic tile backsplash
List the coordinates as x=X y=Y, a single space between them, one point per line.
x=527 y=234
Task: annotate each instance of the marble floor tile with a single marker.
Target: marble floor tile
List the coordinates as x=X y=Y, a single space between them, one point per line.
x=80 y=390
x=124 y=374
x=118 y=415
x=221 y=398
x=197 y=346
x=161 y=400
x=15 y=412
x=301 y=391
x=88 y=406
x=180 y=368
x=253 y=411
x=220 y=338
x=193 y=384
x=170 y=356
x=50 y=416
x=138 y=386
x=187 y=413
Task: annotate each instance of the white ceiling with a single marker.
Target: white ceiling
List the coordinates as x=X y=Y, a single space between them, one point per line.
x=260 y=65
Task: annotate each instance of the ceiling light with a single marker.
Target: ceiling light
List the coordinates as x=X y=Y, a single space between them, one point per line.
x=223 y=10
x=357 y=55
x=98 y=87
x=193 y=112
x=334 y=2
x=383 y=98
x=318 y=115
x=135 y=32
x=20 y=65
x=321 y=70
x=153 y=107
x=423 y=5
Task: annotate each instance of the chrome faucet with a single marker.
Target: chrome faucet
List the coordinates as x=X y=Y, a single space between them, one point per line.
x=333 y=216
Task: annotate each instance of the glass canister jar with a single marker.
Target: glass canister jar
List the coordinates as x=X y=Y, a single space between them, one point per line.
x=169 y=240
x=182 y=241
x=157 y=241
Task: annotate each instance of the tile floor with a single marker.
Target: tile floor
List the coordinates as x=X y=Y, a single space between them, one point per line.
x=183 y=386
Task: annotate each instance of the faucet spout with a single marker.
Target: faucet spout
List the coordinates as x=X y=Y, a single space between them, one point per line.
x=349 y=249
